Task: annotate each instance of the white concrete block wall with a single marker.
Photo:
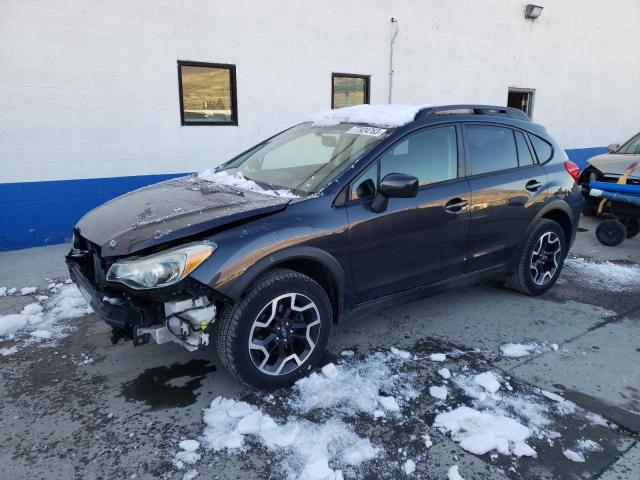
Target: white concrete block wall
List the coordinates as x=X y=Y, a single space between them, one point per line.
x=89 y=88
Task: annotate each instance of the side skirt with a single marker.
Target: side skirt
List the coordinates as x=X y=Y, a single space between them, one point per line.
x=418 y=293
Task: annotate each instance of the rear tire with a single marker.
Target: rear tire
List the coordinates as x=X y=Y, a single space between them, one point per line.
x=611 y=232
x=277 y=331
x=541 y=259
x=633 y=227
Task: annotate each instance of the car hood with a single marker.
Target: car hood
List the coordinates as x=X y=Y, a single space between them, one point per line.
x=614 y=164
x=168 y=211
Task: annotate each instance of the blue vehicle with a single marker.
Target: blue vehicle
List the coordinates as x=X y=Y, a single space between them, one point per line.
x=359 y=209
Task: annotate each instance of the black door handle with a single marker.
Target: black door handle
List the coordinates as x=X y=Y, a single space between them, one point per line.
x=533 y=185
x=455 y=205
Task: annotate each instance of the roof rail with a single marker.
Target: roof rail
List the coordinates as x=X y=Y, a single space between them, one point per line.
x=494 y=110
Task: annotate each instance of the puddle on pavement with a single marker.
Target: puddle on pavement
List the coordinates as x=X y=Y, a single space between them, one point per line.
x=168 y=387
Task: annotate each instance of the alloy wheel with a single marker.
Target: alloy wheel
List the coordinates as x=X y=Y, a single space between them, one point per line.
x=545 y=258
x=284 y=334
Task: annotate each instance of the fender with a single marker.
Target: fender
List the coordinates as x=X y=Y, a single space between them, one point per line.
x=556 y=204
x=239 y=285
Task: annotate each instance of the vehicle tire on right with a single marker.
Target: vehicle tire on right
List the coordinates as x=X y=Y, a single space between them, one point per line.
x=611 y=232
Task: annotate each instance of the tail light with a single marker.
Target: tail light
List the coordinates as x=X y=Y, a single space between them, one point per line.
x=572 y=169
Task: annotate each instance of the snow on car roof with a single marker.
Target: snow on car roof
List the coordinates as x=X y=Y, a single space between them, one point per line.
x=379 y=115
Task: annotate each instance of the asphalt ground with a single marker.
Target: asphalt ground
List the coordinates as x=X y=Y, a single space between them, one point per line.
x=81 y=407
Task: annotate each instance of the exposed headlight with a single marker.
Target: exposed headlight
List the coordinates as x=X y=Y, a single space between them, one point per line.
x=160 y=269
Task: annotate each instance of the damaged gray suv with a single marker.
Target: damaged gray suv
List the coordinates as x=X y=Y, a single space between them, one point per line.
x=359 y=209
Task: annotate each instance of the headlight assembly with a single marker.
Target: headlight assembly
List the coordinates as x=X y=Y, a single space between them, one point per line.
x=160 y=269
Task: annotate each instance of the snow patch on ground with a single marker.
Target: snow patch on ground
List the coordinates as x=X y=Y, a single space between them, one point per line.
x=573 y=455
x=516 y=350
x=481 y=432
x=453 y=473
x=409 y=467
x=353 y=387
x=438 y=392
x=306 y=448
x=239 y=181
x=379 y=115
x=41 y=321
x=605 y=275
x=311 y=449
x=438 y=357
x=488 y=381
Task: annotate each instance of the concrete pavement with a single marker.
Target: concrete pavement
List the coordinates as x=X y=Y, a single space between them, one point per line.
x=83 y=408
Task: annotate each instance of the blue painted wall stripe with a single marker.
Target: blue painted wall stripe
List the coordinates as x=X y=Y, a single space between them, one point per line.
x=581 y=155
x=43 y=213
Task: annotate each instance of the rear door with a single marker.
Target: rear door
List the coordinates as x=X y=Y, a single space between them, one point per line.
x=508 y=188
x=415 y=241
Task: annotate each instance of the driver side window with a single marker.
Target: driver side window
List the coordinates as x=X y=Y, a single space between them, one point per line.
x=429 y=155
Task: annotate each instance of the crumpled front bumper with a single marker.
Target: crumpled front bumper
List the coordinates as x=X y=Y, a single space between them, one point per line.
x=116 y=309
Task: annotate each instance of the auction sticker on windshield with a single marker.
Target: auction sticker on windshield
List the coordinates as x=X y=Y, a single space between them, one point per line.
x=370 y=131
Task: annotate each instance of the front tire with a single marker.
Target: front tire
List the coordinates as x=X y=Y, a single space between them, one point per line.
x=277 y=331
x=541 y=259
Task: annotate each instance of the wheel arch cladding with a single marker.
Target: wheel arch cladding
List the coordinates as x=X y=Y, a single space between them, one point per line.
x=563 y=219
x=315 y=263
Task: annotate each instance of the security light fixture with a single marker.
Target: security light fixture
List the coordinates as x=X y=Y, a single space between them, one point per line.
x=532 y=11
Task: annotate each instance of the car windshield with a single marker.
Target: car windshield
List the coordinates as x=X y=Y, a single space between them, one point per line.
x=631 y=147
x=306 y=157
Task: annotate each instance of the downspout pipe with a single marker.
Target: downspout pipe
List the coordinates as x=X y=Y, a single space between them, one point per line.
x=393 y=40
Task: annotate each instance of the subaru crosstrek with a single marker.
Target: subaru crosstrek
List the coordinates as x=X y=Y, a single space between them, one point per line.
x=355 y=210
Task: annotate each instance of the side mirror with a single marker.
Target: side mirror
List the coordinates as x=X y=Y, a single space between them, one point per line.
x=613 y=147
x=394 y=185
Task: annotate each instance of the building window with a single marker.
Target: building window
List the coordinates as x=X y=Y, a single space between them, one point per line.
x=207 y=93
x=522 y=99
x=348 y=90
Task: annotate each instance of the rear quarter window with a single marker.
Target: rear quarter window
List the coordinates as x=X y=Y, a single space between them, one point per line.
x=542 y=148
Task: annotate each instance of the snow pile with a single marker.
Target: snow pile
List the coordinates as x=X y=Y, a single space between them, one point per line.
x=438 y=392
x=352 y=388
x=488 y=381
x=188 y=455
x=573 y=455
x=481 y=432
x=454 y=473
x=606 y=275
x=41 y=321
x=516 y=350
x=27 y=291
x=409 y=467
x=444 y=373
x=10 y=324
x=437 y=357
x=239 y=181
x=379 y=115
x=307 y=448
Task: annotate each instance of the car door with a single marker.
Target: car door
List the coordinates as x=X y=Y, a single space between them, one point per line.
x=508 y=188
x=414 y=241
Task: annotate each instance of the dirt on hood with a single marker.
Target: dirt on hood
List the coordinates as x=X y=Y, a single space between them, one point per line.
x=168 y=211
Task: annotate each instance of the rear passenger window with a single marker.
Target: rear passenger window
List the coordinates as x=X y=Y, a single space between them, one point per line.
x=429 y=155
x=524 y=154
x=542 y=148
x=490 y=148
